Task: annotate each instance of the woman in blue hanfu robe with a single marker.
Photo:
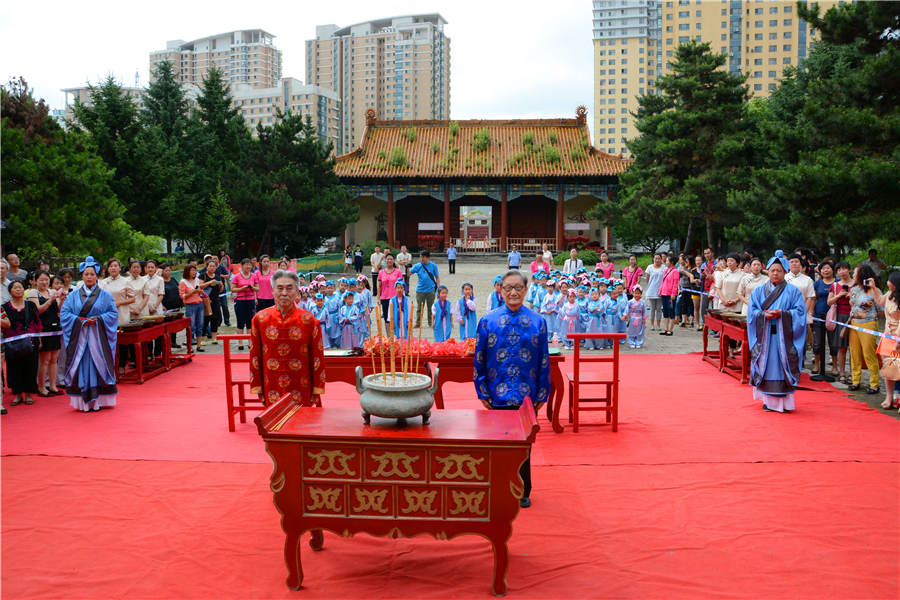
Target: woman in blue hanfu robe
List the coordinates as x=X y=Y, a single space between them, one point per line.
x=776 y=331
x=90 y=321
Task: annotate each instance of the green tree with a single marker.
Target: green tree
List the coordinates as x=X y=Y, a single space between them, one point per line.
x=299 y=201
x=832 y=131
x=163 y=148
x=57 y=194
x=216 y=223
x=111 y=118
x=219 y=141
x=694 y=146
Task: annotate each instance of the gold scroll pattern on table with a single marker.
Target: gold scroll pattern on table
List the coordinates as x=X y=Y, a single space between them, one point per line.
x=419 y=502
x=370 y=500
x=394 y=464
x=331 y=462
x=463 y=466
x=467 y=502
x=324 y=498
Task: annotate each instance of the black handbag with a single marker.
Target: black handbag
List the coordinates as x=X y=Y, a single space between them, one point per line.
x=18 y=349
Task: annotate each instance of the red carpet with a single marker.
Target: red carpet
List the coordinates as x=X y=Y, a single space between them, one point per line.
x=699 y=494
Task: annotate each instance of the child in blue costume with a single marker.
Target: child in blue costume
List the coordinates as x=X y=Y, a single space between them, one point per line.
x=637 y=317
x=496 y=297
x=582 y=301
x=399 y=310
x=464 y=310
x=594 y=311
x=348 y=320
x=622 y=308
x=550 y=308
x=333 y=301
x=366 y=304
x=442 y=310
x=569 y=315
x=320 y=312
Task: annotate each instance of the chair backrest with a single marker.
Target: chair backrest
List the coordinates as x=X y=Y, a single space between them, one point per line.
x=580 y=358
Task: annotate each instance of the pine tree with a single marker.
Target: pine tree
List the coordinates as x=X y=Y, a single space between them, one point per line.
x=692 y=149
x=299 y=200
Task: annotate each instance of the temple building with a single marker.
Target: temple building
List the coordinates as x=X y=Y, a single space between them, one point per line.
x=482 y=184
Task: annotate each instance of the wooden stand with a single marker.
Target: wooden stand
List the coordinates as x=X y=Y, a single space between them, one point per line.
x=459 y=475
x=137 y=339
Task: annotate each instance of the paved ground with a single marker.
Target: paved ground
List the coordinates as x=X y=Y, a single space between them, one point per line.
x=480 y=271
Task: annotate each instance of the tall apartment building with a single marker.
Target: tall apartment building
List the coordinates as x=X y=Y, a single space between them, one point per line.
x=260 y=105
x=245 y=56
x=634 y=40
x=399 y=66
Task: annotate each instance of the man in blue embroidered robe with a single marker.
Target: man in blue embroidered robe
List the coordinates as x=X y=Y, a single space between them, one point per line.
x=511 y=358
x=776 y=332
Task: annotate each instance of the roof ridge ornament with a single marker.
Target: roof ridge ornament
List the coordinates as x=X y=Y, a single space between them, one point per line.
x=370 y=116
x=581 y=115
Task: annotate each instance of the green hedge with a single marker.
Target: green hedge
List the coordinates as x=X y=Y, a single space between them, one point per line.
x=588 y=257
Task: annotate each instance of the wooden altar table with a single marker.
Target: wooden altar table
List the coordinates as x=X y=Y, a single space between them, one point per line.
x=729 y=329
x=138 y=337
x=458 y=475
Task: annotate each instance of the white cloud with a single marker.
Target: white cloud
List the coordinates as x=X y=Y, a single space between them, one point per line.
x=508 y=59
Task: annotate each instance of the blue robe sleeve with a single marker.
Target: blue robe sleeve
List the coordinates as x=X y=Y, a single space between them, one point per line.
x=481 y=370
x=543 y=356
x=69 y=312
x=105 y=310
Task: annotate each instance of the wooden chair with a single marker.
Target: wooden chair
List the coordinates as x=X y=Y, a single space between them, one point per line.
x=245 y=402
x=609 y=401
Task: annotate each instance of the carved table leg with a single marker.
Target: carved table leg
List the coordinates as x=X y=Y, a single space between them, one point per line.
x=501 y=565
x=317 y=540
x=292 y=558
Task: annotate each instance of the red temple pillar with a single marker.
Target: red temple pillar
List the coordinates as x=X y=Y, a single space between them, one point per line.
x=503 y=219
x=560 y=217
x=390 y=216
x=446 y=216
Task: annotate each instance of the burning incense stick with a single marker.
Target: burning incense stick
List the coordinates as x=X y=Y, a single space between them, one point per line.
x=391 y=321
x=409 y=330
x=419 y=349
x=380 y=340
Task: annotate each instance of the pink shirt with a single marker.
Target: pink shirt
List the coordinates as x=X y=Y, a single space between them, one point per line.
x=537 y=266
x=238 y=280
x=669 y=284
x=605 y=271
x=387 y=281
x=265 y=285
x=632 y=278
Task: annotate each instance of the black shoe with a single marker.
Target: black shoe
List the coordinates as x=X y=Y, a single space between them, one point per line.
x=3 y=410
x=524 y=501
x=852 y=387
x=176 y=346
x=817 y=378
x=240 y=347
x=872 y=390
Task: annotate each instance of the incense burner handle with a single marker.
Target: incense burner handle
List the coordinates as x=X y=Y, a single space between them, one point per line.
x=359 y=377
x=434 y=381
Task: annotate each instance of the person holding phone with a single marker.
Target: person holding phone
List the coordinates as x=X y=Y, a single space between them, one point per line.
x=840 y=295
x=864 y=298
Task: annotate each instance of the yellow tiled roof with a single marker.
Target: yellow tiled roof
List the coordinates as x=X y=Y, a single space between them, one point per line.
x=478 y=148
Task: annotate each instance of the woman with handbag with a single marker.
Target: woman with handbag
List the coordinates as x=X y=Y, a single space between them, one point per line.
x=20 y=318
x=890 y=349
x=213 y=285
x=192 y=296
x=821 y=333
x=839 y=296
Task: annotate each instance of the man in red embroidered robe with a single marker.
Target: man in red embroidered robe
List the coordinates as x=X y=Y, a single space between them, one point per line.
x=286 y=355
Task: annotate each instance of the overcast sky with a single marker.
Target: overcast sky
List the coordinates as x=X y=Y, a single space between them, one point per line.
x=508 y=59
